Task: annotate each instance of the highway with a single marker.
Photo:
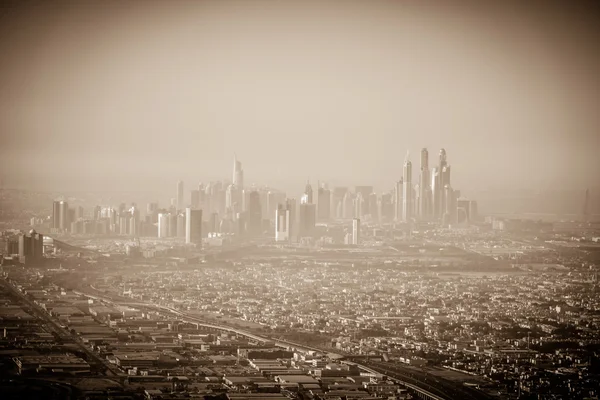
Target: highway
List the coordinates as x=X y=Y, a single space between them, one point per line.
x=440 y=387
x=424 y=384
x=39 y=312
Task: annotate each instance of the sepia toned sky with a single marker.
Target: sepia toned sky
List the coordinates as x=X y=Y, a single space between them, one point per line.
x=137 y=95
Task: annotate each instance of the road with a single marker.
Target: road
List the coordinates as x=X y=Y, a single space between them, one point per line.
x=39 y=312
x=434 y=384
x=430 y=385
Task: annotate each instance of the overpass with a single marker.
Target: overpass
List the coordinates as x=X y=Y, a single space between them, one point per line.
x=417 y=387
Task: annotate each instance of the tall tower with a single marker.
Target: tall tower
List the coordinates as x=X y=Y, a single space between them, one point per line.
x=193 y=226
x=238 y=173
x=407 y=204
x=586 y=206
x=56 y=214
x=254 y=222
x=63 y=215
x=180 y=195
x=398 y=193
x=443 y=172
x=356 y=231
x=323 y=203
x=424 y=186
x=283 y=223
x=308 y=194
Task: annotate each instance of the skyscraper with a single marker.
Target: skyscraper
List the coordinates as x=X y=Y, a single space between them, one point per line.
x=134 y=221
x=283 y=223
x=424 y=183
x=63 y=215
x=238 y=173
x=308 y=217
x=398 y=202
x=254 y=221
x=358 y=205
x=450 y=211
x=348 y=206
x=193 y=226
x=56 y=214
x=441 y=183
x=180 y=195
x=323 y=204
x=586 y=206
x=407 y=195
x=365 y=192
x=181 y=225
x=374 y=211
x=274 y=199
x=163 y=225
x=307 y=198
x=356 y=231
x=337 y=201
x=435 y=193
x=31 y=246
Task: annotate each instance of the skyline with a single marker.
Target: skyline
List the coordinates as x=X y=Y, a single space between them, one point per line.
x=125 y=97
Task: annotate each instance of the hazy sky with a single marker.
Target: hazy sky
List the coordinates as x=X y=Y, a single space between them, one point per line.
x=101 y=95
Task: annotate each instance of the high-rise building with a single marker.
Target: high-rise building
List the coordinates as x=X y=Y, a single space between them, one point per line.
x=172 y=232
x=358 y=205
x=473 y=210
x=463 y=211
x=63 y=216
x=134 y=221
x=181 y=224
x=407 y=195
x=450 y=204
x=283 y=223
x=180 y=200
x=163 y=225
x=254 y=220
x=97 y=211
x=365 y=191
x=424 y=186
x=398 y=202
x=31 y=246
x=323 y=204
x=441 y=183
x=307 y=198
x=124 y=223
x=193 y=226
x=348 y=206
x=374 y=207
x=337 y=201
x=238 y=173
x=274 y=199
x=230 y=194
x=386 y=207
x=56 y=214
x=436 y=193
x=356 y=231
x=78 y=213
x=308 y=219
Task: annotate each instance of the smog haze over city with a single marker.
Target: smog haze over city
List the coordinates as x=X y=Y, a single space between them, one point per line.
x=314 y=200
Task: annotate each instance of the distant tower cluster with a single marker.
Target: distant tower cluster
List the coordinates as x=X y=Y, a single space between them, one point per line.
x=229 y=210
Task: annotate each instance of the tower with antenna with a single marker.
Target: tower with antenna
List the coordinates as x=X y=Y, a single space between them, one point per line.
x=586 y=206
